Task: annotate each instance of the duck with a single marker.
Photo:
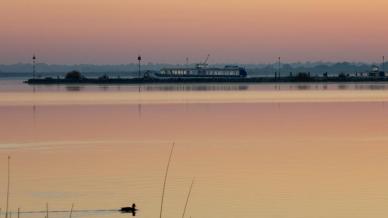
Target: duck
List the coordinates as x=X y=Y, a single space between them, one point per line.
x=129 y=209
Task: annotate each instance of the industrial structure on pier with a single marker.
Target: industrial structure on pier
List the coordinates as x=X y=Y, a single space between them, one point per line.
x=201 y=70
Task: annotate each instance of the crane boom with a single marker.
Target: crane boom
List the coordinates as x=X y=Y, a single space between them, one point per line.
x=207 y=58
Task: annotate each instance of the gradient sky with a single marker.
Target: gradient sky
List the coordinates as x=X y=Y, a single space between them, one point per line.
x=244 y=31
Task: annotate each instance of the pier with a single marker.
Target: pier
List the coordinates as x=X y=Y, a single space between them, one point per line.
x=146 y=80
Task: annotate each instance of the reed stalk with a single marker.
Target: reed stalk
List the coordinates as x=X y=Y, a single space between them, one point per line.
x=165 y=179
x=8 y=184
x=71 y=210
x=188 y=197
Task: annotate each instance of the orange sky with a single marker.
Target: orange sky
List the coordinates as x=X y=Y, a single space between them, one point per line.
x=245 y=31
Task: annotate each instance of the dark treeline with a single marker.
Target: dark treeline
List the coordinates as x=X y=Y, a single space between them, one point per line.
x=24 y=69
x=313 y=68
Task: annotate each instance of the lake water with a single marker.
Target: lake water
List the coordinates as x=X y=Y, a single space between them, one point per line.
x=268 y=150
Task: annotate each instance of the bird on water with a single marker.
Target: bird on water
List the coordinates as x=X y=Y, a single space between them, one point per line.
x=131 y=209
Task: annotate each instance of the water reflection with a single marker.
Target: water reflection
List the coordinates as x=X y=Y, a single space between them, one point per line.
x=105 y=87
x=74 y=88
x=371 y=86
x=275 y=160
x=199 y=87
x=34 y=115
x=18 y=85
x=343 y=87
x=303 y=87
x=139 y=110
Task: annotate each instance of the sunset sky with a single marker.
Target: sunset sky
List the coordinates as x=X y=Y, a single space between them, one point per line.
x=168 y=31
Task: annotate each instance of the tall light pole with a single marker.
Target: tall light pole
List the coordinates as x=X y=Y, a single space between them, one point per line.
x=139 y=59
x=279 y=67
x=33 y=66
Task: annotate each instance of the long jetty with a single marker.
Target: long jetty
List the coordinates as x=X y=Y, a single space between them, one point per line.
x=289 y=79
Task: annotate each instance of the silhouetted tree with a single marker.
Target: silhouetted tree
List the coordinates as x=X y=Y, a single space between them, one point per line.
x=342 y=76
x=103 y=77
x=303 y=76
x=73 y=75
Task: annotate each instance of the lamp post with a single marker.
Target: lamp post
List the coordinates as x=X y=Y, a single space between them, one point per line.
x=139 y=59
x=33 y=66
x=279 y=67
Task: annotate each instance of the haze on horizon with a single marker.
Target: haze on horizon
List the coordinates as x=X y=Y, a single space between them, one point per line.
x=168 y=31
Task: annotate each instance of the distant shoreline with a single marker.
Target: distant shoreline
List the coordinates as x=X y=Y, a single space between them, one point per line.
x=339 y=79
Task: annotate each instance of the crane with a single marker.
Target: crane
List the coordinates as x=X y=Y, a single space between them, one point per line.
x=207 y=58
x=203 y=64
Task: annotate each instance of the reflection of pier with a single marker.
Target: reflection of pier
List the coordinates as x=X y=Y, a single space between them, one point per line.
x=34 y=122
x=33 y=108
x=34 y=115
x=139 y=110
x=199 y=87
x=74 y=88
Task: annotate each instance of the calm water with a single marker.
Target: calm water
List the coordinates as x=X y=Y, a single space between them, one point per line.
x=287 y=151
